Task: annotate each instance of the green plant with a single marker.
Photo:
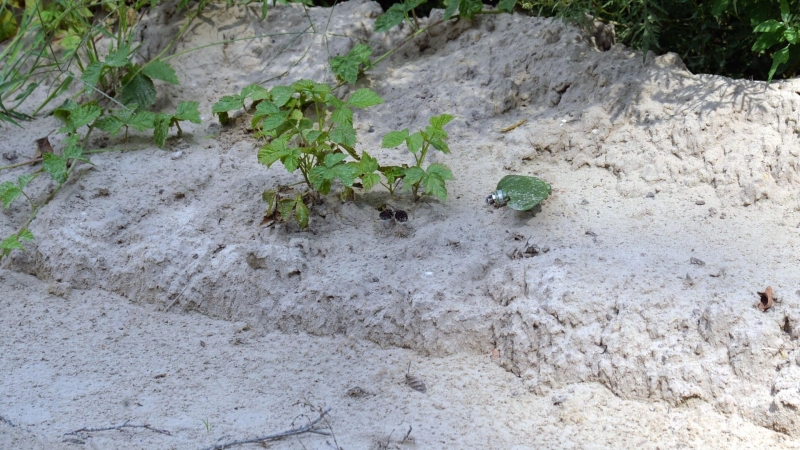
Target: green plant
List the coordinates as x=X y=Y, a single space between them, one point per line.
x=310 y=130
x=774 y=32
x=434 y=177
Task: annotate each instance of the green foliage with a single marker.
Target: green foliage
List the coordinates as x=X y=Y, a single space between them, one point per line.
x=347 y=68
x=310 y=130
x=432 y=180
x=724 y=37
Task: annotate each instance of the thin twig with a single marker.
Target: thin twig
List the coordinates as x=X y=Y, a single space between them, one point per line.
x=20 y=164
x=127 y=424
x=307 y=428
x=176 y=298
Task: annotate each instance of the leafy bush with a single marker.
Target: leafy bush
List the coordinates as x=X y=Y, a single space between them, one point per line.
x=715 y=37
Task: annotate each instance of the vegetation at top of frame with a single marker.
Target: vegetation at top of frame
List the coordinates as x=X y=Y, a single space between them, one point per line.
x=735 y=38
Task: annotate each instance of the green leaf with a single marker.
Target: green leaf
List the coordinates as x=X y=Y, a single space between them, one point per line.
x=369 y=180
x=140 y=90
x=159 y=70
x=91 y=75
x=368 y=164
x=434 y=181
x=228 y=103
x=332 y=159
x=790 y=35
x=303 y=86
x=281 y=95
x=109 y=124
x=450 y=9
x=344 y=135
x=719 y=7
x=272 y=152
x=291 y=159
x=25 y=235
x=778 y=58
x=440 y=121
x=342 y=116
x=55 y=166
x=119 y=58
x=73 y=150
x=80 y=116
x=364 y=98
x=188 y=111
x=8 y=193
x=361 y=53
x=392 y=173
x=301 y=212
x=769 y=26
x=440 y=145
x=311 y=135
x=394 y=138
x=412 y=176
x=346 y=69
x=267 y=108
x=786 y=15
x=161 y=130
x=24 y=180
x=285 y=207
x=388 y=20
x=274 y=121
x=255 y=92
x=10 y=243
x=468 y=8
x=414 y=142
x=506 y=5
x=142 y=120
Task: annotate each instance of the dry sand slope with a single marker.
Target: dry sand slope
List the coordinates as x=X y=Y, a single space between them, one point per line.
x=675 y=199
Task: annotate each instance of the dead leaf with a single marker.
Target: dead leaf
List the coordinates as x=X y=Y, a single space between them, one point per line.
x=415 y=382
x=495 y=354
x=42 y=146
x=766 y=299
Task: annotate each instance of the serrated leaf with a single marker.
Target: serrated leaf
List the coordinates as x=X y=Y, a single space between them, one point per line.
x=434 y=185
x=91 y=75
x=412 y=176
x=72 y=150
x=291 y=159
x=274 y=121
x=346 y=173
x=394 y=138
x=369 y=180
x=159 y=70
x=311 y=135
x=361 y=53
x=414 y=142
x=267 y=108
x=255 y=92
x=281 y=95
x=24 y=180
x=142 y=120
x=392 y=173
x=161 y=129
x=388 y=20
x=272 y=152
x=441 y=120
x=25 y=235
x=346 y=69
x=440 y=145
x=63 y=112
x=82 y=115
x=321 y=90
x=440 y=170
x=119 y=57
x=506 y=5
x=343 y=135
x=228 y=103
x=109 y=124
x=342 y=116
x=10 y=243
x=8 y=193
x=188 y=111
x=364 y=98
x=55 y=166
x=368 y=164
x=303 y=86
x=301 y=212
x=332 y=159
x=140 y=89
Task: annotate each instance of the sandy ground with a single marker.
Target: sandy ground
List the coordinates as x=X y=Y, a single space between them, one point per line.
x=152 y=294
